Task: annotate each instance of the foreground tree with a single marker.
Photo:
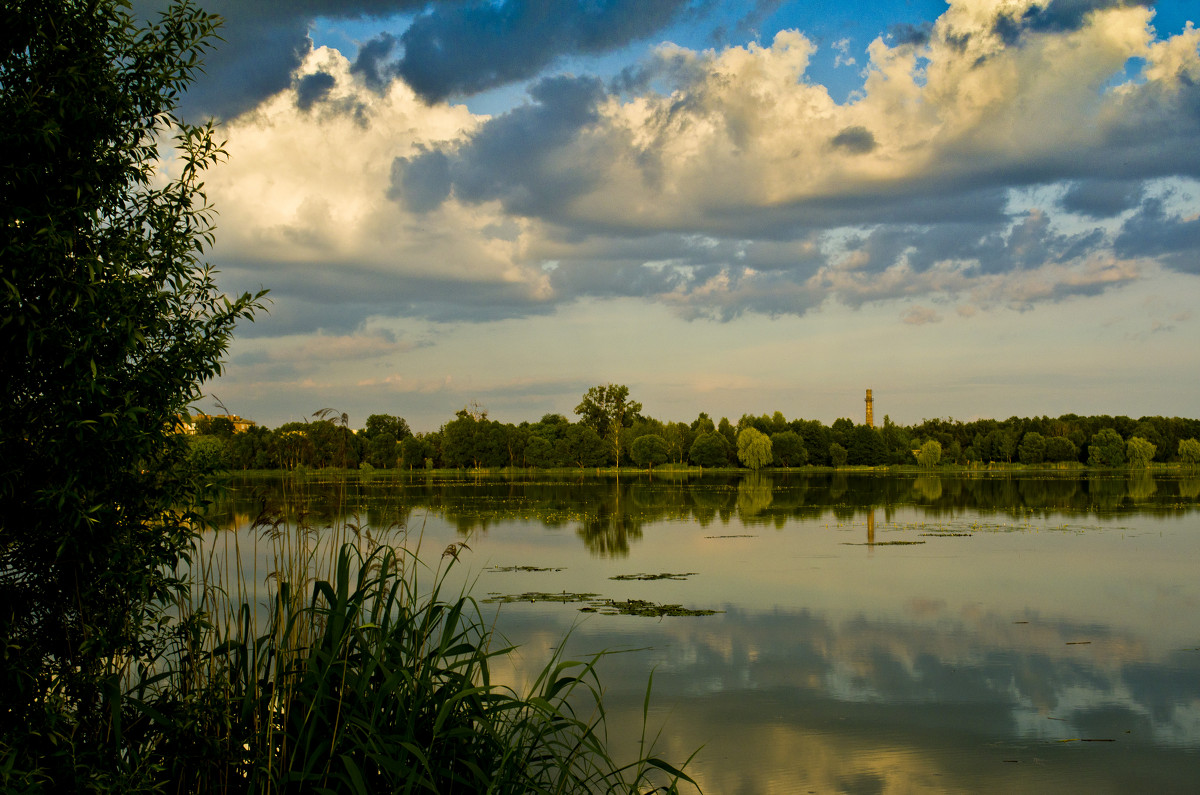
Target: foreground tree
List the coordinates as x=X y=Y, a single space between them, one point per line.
x=110 y=322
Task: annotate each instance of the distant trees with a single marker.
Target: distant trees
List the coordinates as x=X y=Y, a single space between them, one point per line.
x=709 y=450
x=606 y=410
x=788 y=449
x=1060 y=448
x=649 y=450
x=471 y=439
x=1032 y=449
x=930 y=454
x=1139 y=452
x=1107 y=449
x=1189 y=451
x=753 y=448
x=837 y=455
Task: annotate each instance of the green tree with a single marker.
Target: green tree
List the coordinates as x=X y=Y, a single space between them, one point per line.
x=1060 y=448
x=837 y=455
x=930 y=454
x=1107 y=449
x=709 y=450
x=1189 y=451
x=606 y=410
x=754 y=448
x=728 y=432
x=208 y=454
x=1139 y=452
x=1032 y=449
x=581 y=447
x=383 y=451
x=649 y=450
x=788 y=449
x=386 y=423
x=110 y=324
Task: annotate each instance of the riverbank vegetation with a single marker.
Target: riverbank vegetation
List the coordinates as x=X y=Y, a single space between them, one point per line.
x=473 y=441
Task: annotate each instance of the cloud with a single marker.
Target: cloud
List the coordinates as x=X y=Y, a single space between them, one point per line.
x=1155 y=232
x=459 y=49
x=262 y=44
x=1103 y=198
x=725 y=182
x=371 y=66
x=857 y=139
x=456 y=47
x=313 y=88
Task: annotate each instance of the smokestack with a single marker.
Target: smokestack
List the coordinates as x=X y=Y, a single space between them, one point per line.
x=870 y=410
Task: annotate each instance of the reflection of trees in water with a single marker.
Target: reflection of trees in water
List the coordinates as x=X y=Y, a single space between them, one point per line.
x=754 y=497
x=928 y=488
x=1141 y=486
x=607 y=529
x=610 y=514
x=1189 y=488
x=1105 y=491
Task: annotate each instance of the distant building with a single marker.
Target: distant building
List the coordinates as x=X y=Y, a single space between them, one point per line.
x=870 y=410
x=188 y=425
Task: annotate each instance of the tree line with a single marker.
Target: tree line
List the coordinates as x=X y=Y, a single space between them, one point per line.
x=611 y=430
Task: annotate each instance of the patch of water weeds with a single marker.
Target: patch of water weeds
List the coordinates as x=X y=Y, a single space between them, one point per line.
x=608 y=607
x=539 y=596
x=640 y=607
x=663 y=576
x=500 y=569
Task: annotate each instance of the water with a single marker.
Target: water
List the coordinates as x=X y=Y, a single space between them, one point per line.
x=876 y=633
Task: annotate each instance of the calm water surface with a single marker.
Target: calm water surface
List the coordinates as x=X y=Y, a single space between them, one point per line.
x=877 y=633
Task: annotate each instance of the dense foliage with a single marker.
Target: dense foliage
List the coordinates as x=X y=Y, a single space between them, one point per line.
x=109 y=323
x=471 y=440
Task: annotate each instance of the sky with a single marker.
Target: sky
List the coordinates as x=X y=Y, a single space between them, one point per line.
x=981 y=208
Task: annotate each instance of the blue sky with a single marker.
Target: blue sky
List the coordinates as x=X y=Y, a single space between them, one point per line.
x=976 y=209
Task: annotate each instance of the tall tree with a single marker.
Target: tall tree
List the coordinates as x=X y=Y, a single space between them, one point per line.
x=606 y=410
x=110 y=323
x=754 y=448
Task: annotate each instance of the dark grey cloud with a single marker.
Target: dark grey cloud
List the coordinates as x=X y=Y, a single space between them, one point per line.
x=998 y=246
x=1153 y=232
x=1102 y=198
x=422 y=183
x=1055 y=16
x=371 y=64
x=511 y=158
x=313 y=88
x=262 y=42
x=452 y=48
x=747 y=25
x=916 y=35
x=464 y=48
x=856 y=140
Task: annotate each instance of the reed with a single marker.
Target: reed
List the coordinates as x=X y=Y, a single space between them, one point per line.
x=361 y=674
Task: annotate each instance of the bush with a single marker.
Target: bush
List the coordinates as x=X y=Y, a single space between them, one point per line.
x=110 y=324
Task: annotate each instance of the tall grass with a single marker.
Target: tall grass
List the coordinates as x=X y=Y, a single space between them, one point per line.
x=358 y=675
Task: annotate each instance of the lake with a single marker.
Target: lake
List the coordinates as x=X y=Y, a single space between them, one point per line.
x=984 y=632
